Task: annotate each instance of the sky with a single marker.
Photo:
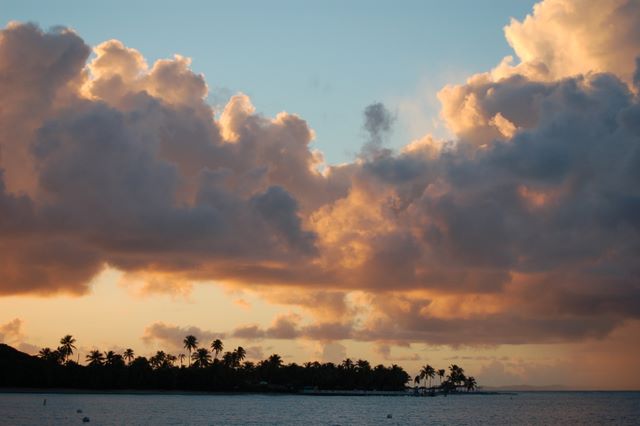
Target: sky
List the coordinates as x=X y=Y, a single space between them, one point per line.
x=415 y=183
x=325 y=61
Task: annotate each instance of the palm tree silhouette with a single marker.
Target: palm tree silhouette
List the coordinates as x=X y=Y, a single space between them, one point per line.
x=363 y=365
x=170 y=359
x=470 y=383
x=228 y=359
x=128 y=355
x=48 y=355
x=161 y=360
x=275 y=360
x=190 y=343
x=181 y=357
x=95 y=358
x=201 y=358
x=113 y=359
x=441 y=374
x=456 y=375
x=427 y=373
x=347 y=364
x=240 y=355
x=45 y=353
x=67 y=346
x=217 y=347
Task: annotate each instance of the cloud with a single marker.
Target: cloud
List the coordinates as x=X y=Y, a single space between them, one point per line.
x=384 y=351
x=321 y=304
x=255 y=353
x=11 y=331
x=522 y=228
x=168 y=335
x=28 y=348
x=377 y=123
x=333 y=352
x=242 y=304
x=129 y=170
x=567 y=37
x=288 y=326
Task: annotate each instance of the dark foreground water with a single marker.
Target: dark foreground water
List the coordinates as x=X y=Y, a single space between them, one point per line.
x=551 y=408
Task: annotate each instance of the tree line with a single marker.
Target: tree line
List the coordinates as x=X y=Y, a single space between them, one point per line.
x=208 y=368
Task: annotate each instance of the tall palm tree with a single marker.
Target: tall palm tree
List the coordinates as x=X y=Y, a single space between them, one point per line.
x=240 y=355
x=228 y=359
x=67 y=346
x=201 y=358
x=128 y=355
x=95 y=358
x=456 y=375
x=217 y=347
x=190 y=343
x=181 y=357
x=275 y=360
x=432 y=374
x=470 y=383
x=441 y=374
x=427 y=373
x=170 y=359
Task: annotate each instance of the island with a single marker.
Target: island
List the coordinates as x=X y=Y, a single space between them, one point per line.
x=209 y=369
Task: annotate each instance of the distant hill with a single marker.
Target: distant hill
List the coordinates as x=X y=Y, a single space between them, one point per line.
x=10 y=354
x=526 y=388
x=20 y=369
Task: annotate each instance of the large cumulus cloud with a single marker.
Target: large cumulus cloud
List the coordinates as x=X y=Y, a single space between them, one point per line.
x=114 y=163
x=522 y=228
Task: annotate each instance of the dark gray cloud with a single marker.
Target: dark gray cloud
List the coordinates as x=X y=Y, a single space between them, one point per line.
x=378 y=122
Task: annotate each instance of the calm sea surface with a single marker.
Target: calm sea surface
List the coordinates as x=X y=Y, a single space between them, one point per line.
x=551 y=408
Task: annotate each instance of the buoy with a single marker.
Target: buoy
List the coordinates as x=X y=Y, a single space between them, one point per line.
x=78 y=411
x=389 y=416
x=85 y=420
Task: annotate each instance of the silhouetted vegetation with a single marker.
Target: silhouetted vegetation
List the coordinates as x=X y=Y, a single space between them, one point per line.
x=206 y=372
x=455 y=381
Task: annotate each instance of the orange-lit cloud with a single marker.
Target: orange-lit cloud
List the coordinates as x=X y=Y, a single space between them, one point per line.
x=522 y=229
x=11 y=332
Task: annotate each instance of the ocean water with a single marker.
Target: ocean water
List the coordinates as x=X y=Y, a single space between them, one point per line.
x=545 y=408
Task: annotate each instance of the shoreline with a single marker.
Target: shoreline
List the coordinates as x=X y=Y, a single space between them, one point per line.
x=360 y=393
x=159 y=392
